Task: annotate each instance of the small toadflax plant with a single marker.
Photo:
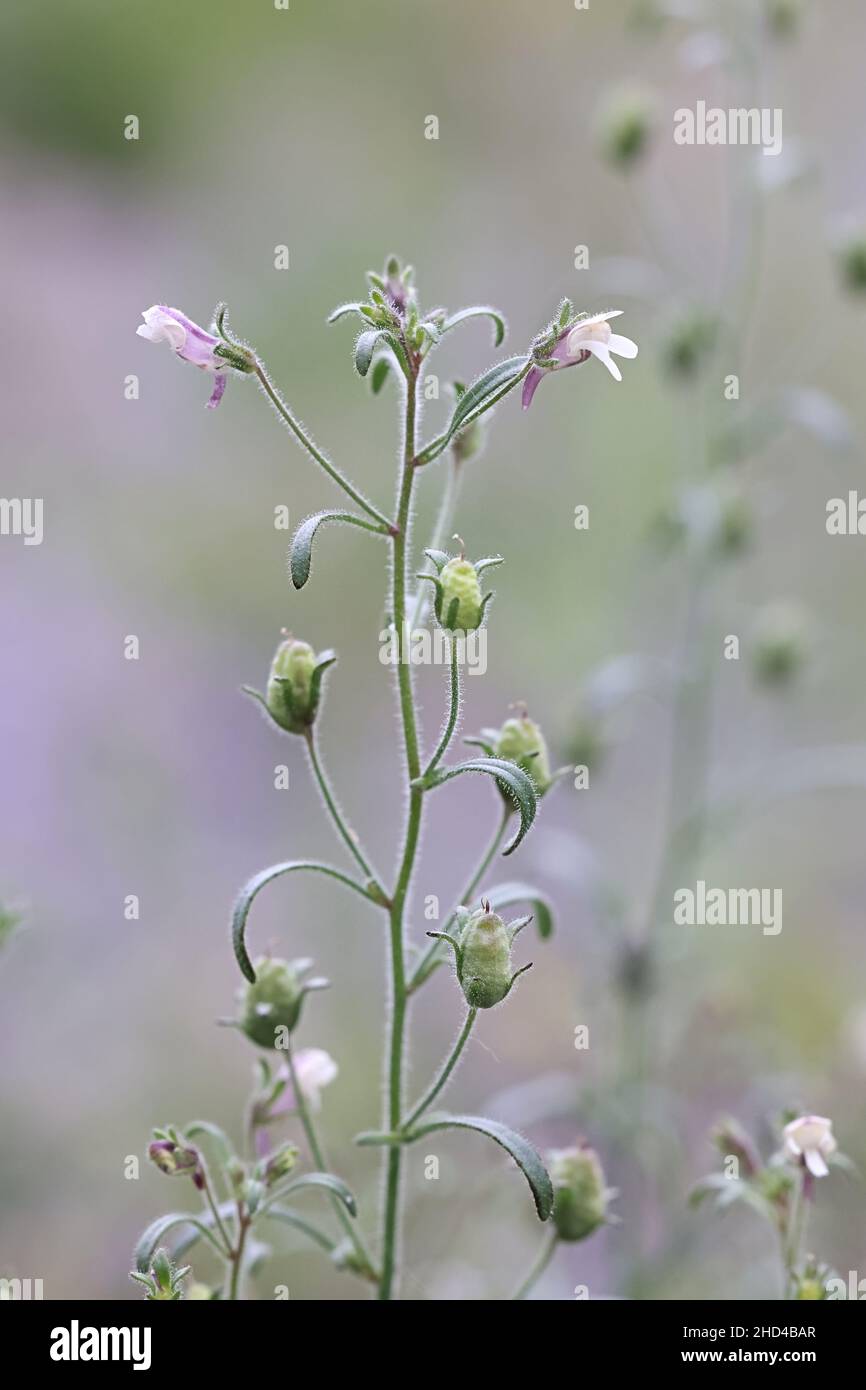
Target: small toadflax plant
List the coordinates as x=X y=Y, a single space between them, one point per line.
x=244 y=1188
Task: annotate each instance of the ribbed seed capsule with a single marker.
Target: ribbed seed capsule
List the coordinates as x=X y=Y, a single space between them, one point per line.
x=580 y=1198
x=485 y=967
x=459 y=580
x=521 y=741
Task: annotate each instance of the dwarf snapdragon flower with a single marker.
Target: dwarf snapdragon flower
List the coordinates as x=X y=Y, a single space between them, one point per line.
x=575 y=343
x=809 y=1140
x=314 y=1069
x=193 y=344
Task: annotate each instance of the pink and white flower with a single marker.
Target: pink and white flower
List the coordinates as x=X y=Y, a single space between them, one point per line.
x=809 y=1140
x=315 y=1069
x=590 y=337
x=188 y=340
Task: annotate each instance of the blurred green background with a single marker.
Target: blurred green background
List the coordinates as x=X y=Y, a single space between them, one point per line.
x=306 y=128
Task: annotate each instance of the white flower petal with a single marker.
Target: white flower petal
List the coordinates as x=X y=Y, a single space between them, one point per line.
x=624 y=347
x=600 y=318
x=815 y=1163
x=600 y=351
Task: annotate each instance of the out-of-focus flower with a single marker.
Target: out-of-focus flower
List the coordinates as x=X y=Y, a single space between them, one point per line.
x=315 y=1069
x=852 y=263
x=780 y=643
x=689 y=341
x=575 y=343
x=624 y=126
x=809 y=1140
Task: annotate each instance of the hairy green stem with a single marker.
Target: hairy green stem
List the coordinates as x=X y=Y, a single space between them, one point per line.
x=399 y=993
x=320 y=1159
x=306 y=442
x=441 y=1079
x=538 y=1266
x=441 y=528
x=420 y=973
x=453 y=708
x=349 y=837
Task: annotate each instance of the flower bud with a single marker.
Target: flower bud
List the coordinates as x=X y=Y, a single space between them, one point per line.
x=780 y=644
x=176 y=1160
x=459 y=605
x=163 y=1282
x=624 y=127
x=521 y=741
x=271 y=1005
x=280 y=1164
x=580 y=1196
x=483 y=956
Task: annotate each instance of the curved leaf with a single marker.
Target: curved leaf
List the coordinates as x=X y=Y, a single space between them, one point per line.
x=507 y=894
x=301 y=553
x=525 y=1155
x=479 y=311
x=364 y=349
x=241 y=909
x=150 y=1239
x=220 y=1138
x=342 y=310
x=333 y=1184
x=511 y=778
x=484 y=393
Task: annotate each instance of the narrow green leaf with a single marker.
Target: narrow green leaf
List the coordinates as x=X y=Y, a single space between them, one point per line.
x=333 y=1184
x=256 y=883
x=511 y=778
x=152 y=1237
x=478 y=311
x=342 y=310
x=220 y=1138
x=507 y=894
x=477 y=398
x=524 y=1154
x=301 y=552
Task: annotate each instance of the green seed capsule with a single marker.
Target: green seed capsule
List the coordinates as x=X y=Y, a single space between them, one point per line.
x=273 y=1002
x=521 y=741
x=290 y=699
x=580 y=1196
x=485 y=960
x=459 y=581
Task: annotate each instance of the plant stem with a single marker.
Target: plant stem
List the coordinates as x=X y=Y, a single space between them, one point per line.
x=539 y=1265
x=444 y=522
x=306 y=442
x=320 y=1159
x=237 y=1257
x=399 y=994
x=350 y=839
x=419 y=973
x=209 y=1197
x=444 y=1072
x=453 y=709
